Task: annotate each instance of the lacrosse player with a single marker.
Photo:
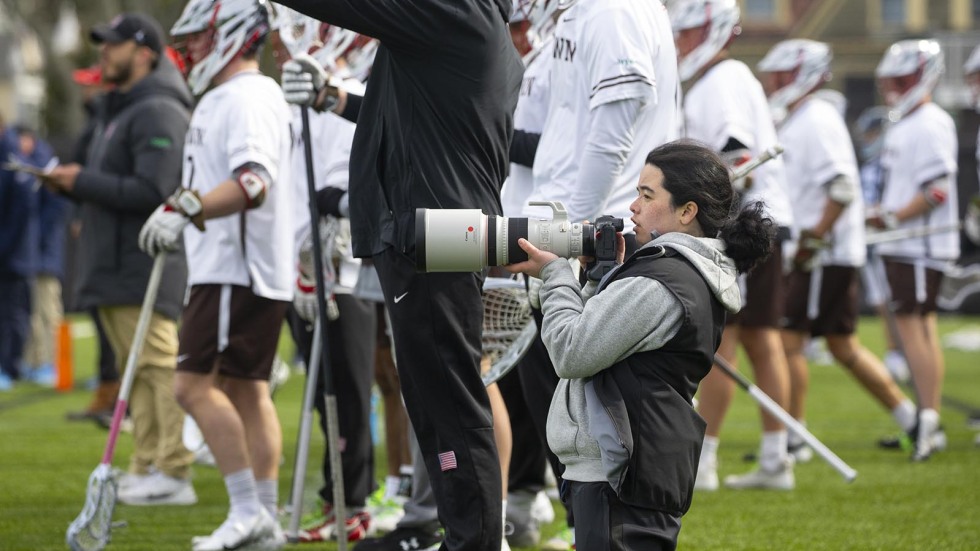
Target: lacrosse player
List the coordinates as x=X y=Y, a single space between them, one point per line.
x=821 y=169
x=621 y=419
x=433 y=132
x=725 y=108
x=919 y=163
x=236 y=193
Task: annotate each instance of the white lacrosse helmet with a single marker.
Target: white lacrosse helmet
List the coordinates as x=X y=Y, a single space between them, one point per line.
x=923 y=58
x=970 y=69
x=809 y=59
x=723 y=17
x=235 y=27
x=541 y=15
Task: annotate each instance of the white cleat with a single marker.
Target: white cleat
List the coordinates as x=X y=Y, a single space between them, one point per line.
x=237 y=533
x=707 y=477
x=762 y=479
x=157 y=489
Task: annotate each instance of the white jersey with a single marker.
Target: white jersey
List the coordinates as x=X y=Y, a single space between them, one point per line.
x=244 y=119
x=606 y=51
x=331 y=137
x=817 y=149
x=532 y=109
x=728 y=102
x=918 y=149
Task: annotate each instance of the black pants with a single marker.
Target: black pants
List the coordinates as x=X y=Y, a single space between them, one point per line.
x=15 y=322
x=607 y=524
x=107 y=358
x=527 y=458
x=436 y=321
x=539 y=381
x=350 y=353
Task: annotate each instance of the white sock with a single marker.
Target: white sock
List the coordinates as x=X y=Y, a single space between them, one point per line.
x=242 y=493
x=709 y=450
x=773 y=453
x=268 y=494
x=904 y=414
x=503 y=515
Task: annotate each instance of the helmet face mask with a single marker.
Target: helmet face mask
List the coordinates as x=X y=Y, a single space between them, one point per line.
x=808 y=63
x=211 y=33
x=702 y=29
x=907 y=74
x=540 y=16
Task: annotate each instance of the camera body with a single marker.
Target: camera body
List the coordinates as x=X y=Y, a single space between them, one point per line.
x=466 y=240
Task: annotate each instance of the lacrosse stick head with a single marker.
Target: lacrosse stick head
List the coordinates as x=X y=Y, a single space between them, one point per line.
x=508 y=327
x=91 y=530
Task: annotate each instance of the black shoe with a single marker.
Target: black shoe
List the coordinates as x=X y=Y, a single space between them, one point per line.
x=403 y=539
x=906 y=442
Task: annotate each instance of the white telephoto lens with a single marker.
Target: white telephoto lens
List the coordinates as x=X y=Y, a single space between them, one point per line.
x=450 y=240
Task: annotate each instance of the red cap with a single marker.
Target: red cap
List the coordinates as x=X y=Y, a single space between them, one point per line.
x=88 y=76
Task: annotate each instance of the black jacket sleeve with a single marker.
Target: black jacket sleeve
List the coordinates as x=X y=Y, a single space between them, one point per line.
x=523 y=147
x=396 y=23
x=157 y=147
x=353 y=107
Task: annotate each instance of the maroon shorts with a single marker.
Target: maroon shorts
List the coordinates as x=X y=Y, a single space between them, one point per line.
x=834 y=305
x=765 y=294
x=913 y=288
x=231 y=329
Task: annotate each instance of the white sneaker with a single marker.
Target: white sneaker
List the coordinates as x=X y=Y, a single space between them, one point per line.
x=707 y=477
x=800 y=451
x=128 y=480
x=762 y=479
x=542 y=510
x=236 y=533
x=896 y=365
x=275 y=542
x=927 y=439
x=158 y=489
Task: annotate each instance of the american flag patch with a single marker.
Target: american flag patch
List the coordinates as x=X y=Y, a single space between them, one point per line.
x=447 y=461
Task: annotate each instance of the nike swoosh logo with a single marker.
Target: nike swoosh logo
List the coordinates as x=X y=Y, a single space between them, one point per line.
x=182 y=357
x=400 y=297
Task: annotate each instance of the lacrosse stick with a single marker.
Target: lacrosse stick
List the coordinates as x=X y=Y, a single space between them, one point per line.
x=793 y=425
x=303 y=440
x=91 y=530
x=508 y=328
x=744 y=169
x=329 y=396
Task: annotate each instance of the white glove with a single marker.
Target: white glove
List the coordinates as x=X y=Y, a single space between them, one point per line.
x=304 y=298
x=303 y=79
x=165 y=227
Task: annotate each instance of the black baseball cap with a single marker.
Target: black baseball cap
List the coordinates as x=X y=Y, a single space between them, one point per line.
x=142 y=29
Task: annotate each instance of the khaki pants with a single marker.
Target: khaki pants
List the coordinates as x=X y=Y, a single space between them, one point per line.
x=46 y=314
x=158 y=420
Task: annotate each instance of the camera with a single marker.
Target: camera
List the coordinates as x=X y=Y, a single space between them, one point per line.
x=466 y=240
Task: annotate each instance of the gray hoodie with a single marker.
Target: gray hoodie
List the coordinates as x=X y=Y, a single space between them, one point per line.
x=585 y=335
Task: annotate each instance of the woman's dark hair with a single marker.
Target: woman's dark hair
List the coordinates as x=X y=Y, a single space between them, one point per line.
x=692 y=172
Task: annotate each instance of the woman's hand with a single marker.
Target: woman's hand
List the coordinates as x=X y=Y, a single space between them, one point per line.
x=536 y=259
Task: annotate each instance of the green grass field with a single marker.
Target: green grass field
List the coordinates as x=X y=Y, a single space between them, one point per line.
x=45 y=462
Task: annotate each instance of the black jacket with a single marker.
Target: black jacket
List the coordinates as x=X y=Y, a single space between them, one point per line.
x=435 y=126
x=134 y=162
x=648 y=395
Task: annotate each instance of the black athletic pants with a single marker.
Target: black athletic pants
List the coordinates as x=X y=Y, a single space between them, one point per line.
x=607 y=524
x=351 y=343
x=539 y=381
x=436 y=321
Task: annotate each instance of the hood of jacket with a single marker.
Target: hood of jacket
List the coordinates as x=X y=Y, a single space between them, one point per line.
x=709 y=258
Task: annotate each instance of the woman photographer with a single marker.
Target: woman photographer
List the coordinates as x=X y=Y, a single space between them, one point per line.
x=630 y=350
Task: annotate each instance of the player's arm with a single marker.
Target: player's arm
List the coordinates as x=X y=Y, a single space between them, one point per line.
x=932 y=194
x=245 y=189
x=610 y=139
x=524 y=147
x=841 y=192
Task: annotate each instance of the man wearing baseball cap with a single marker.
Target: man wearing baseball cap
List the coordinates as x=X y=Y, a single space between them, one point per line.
x=141 y=29
x=133 y=162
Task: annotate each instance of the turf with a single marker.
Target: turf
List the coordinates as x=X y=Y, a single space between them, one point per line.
x=893 y=504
